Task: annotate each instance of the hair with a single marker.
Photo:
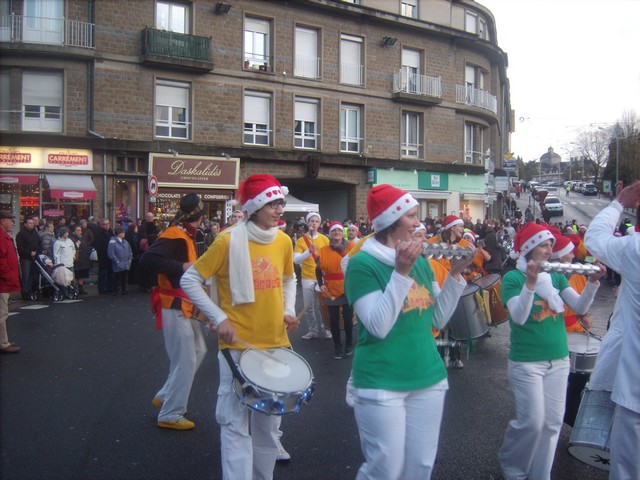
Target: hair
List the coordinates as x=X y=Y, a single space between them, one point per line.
x=383 y=234
x=118 y=230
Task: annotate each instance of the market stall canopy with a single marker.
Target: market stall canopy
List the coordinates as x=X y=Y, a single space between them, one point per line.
x=75 y=187
x=296 y=205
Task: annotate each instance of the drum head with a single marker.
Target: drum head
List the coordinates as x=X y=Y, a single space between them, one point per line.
x=487 y=281
x=591 y=455
x=470 y=289
x=583 y=343
x=287 y=372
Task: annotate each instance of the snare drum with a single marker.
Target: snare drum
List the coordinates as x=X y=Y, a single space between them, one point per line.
x=583 y=351
x=589 y=440
x=469 y=320
x=274 y=386
x=491 y=283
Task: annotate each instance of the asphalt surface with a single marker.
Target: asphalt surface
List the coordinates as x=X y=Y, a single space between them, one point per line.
x=75 y=403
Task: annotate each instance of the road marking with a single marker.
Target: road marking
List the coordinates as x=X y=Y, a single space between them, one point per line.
x=34 y=307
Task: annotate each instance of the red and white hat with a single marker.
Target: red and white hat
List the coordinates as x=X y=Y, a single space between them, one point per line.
x=335 y=226
x=530 y=236
x=258 y=190
x=313 y=214
x=420 y=227
x=469 y=234
x=282 y=225
x=450 y=221
x=386 y=204
x=562 y=247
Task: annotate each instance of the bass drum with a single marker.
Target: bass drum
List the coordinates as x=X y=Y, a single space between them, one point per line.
x=491 y=284
x=469 y=320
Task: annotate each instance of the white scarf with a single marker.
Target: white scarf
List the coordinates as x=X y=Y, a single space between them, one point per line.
x=544 y=287
x=380 y=252
x=240 y=274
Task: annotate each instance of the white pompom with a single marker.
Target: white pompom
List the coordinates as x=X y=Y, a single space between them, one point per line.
x=513 y=255
x=285 y=190
x=234 y=202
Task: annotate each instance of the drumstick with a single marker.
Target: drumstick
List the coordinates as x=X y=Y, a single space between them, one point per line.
x=263 y=352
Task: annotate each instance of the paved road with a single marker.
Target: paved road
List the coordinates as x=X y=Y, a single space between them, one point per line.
x=75 y=403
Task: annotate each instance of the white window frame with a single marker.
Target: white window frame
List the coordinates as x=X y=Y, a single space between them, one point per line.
x=482 y=28
x=306 y=124
x=257 y=118
x=411 y=70
x=411 y=135
x=168 y=16
x=351 y=60
x=350 y=141
x=307 y=61
x=257 y=43
x=172 y=110
x=409 y=8
x=471 y=22
x=474 y=143
x=42 y=101
x=43 y=21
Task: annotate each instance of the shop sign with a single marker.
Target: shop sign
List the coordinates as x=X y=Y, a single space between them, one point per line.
x=195 y=171
x=433 y=181
x=29 y=201
x=206 y=196
x=53 y=213
x=46 y=158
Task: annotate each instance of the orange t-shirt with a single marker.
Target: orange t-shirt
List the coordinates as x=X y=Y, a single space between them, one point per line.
x=577 y=282
x=445 y=262
x=332 y=273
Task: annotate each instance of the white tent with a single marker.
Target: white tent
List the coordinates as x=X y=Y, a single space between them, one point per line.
x=296 y=205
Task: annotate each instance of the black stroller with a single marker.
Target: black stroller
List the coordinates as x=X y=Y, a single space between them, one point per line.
x=54 y=281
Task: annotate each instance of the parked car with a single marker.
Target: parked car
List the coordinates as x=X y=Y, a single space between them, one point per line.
x=579 y=186
x=589 y=189
x=554 y=205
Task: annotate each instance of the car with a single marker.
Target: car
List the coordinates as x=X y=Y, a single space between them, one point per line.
x=589 y=189
x=579 y=186
x=554 y=205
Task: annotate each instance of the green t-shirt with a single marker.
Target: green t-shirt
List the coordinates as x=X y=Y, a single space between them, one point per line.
x=542 y=336
x=407 y=358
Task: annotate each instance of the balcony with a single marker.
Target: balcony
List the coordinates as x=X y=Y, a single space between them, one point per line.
x=176 y=50
x=46 y=31
x=414 y=88
x=475 y=97
x=308 y=67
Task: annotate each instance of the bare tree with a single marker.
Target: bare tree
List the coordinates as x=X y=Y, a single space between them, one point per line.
x=593 y=145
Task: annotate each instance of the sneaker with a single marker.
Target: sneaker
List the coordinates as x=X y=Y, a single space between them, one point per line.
x=337 y=353
x=180 y=423
x=327 y=335
x=458 y=364
x=348 y=351
x=157 y=403
x=283 y=455
x=310 y=336
x=11 y=348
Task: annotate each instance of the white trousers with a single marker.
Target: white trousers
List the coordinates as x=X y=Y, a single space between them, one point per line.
x=529 y=445
x=184 y=343
x=248 y=440
x=310 y=300
x=399 y=431
x=625 y=445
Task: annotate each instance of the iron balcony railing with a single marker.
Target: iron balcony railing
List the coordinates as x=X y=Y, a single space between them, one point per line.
x=307 y=66
x=168 y=44
x=406 y=82
x=476 y=97
x=47 y=31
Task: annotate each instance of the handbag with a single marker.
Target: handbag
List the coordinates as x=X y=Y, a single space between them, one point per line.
x=93 y=256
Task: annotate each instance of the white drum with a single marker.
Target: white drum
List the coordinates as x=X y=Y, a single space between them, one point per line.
x=583 y=351
x=274 y=384
x=469 y=320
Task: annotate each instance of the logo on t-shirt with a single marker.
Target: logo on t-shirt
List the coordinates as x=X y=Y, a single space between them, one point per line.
x=541 y=311
x=418 y=297
x=265 y=275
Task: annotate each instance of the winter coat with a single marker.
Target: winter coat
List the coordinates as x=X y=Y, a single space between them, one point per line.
x=27 y=241
x=101 y=241
x=83 y=251
x=9 y=266
x=64 y=252
x=46 y=242
x=119 y=251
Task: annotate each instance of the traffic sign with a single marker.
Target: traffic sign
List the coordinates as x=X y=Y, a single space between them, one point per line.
x=153 y=186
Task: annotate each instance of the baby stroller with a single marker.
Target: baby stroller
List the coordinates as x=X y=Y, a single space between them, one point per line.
x=55 y=281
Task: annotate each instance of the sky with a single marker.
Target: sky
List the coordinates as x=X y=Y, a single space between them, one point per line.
x=573 y=66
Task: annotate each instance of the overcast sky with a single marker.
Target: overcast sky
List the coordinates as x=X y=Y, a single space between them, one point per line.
x=572 y=64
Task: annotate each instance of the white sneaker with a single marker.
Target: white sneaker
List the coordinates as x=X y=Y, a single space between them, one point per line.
x=283 y=455
x=327 y=334
x=310 y=335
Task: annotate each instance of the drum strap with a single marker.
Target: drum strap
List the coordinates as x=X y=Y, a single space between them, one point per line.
x=246 y=387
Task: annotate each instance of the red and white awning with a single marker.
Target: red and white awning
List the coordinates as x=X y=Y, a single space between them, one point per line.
x=19 y=179
x=71 y=187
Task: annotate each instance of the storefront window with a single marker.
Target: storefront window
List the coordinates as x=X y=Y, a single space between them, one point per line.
x=126 y=198
x=24 y=199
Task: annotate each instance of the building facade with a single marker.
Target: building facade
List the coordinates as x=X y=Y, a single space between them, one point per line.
x=329 y=96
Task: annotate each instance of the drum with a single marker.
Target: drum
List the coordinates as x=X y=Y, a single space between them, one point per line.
x=491 y=283
x=469 y=319
x=583 y=351
x=275 y=383
x=589 y=440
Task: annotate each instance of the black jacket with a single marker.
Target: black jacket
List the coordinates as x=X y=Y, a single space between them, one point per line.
x=27 y=241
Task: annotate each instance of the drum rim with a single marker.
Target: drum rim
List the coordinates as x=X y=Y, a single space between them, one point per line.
x=265 y=389
x=488 y=287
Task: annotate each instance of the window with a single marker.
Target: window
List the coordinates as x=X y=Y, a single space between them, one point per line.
x=172 y=16
x=306 y=123
x=351 y=68
x=411 y=135
x=256 y=44
x=409 y=8
x=42 y=101
x=482 y=28
x=172 y=109
x=474 y=81
x=257 y=114
x=410 y=70
x=5 y=103
x=473 y=143
x=307 y=63
x=350 y=128
x=471 y=22
x=43 y=21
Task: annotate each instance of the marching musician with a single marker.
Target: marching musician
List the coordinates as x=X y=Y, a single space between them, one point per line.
x=538 y=366
x=476 y=269
x=451 y=234
x=252 y=264
x=399 y=378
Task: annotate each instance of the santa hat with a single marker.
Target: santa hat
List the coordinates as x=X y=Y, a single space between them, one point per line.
x=258 y=190
x=469 y=234
x=562 y=247
x=335 y=226
x=529 y=237
x=386 y=204
x=450 y=221
x=582 y=227
x=313 y=214
x=282 y=224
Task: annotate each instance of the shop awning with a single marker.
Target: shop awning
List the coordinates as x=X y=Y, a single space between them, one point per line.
x=296 y=205
x=19 y=179
x=474 y=196
x=73 y=187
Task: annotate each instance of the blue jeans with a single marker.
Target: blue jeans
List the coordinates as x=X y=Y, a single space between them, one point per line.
x=106 y=279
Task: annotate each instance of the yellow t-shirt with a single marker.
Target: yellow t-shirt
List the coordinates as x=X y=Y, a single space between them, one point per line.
x=309 y=265
x=260 y=323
